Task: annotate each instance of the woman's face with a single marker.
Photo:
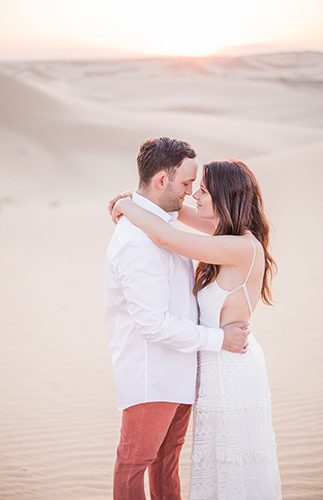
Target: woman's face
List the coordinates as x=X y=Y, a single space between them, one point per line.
x=204 y=205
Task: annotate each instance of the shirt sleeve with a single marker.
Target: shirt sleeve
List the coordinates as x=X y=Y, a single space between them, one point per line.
x=143 y=271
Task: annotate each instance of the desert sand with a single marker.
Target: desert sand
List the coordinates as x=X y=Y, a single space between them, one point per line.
x=69 y=136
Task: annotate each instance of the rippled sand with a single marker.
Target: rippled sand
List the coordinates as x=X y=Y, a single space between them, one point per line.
x=69 y=136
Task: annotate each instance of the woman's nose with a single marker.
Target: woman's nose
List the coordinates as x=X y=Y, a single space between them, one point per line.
x=196 y=195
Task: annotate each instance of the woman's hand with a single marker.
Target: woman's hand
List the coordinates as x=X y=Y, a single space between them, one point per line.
x=118 y=208
x=126 y=194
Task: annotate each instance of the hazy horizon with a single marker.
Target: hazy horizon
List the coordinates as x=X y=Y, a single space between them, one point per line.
x=234 y=51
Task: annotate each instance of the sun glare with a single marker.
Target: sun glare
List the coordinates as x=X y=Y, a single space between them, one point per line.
x=171 y=27
x=205 y=27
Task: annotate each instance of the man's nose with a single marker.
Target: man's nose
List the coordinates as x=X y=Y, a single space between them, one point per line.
x=189 y=190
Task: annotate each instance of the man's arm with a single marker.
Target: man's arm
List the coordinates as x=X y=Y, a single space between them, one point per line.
x=144 y=276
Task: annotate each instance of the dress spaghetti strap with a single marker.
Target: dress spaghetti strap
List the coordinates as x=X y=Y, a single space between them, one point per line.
x=244 y=284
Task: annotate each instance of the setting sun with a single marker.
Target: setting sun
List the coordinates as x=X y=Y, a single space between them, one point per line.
x=173 y=27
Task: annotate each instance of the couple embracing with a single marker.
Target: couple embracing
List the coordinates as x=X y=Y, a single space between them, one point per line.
x=180 y=338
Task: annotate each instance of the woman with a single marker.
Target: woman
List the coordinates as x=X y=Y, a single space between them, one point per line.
x=234 y=451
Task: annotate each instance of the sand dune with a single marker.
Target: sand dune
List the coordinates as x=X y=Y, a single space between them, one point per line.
x=69 y=135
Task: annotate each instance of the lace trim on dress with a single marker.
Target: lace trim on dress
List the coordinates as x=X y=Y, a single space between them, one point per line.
x=204 y=456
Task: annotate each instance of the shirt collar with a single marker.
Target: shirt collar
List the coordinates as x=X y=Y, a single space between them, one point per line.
x=143 y=202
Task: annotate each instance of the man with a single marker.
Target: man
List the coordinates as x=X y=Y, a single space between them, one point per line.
x=152 y=321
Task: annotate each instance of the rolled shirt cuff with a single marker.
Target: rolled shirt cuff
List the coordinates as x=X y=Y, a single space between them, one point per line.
x=215 y=340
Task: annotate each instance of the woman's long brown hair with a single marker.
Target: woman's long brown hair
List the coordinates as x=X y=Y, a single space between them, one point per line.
x=237 y=200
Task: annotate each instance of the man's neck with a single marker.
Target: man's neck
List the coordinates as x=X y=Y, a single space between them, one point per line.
x=149 y=195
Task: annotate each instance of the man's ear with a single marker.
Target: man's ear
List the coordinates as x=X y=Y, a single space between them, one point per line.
x=161 y=180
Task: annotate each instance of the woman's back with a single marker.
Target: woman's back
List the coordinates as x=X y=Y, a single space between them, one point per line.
x=241 y=285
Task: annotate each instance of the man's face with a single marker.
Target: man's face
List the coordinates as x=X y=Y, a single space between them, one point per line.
x=174 y=194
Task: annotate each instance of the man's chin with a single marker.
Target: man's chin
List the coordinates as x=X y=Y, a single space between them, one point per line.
x=175 y=206
x=179 y=206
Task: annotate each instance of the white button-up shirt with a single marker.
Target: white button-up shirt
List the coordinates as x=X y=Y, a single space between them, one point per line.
x=151 y=315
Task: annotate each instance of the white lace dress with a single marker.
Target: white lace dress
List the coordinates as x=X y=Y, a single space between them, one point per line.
x=234 y=450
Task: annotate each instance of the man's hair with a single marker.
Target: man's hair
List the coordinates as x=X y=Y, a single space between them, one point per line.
x=159 y=154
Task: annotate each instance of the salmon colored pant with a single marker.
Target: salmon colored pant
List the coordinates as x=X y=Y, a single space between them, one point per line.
x=152 y=435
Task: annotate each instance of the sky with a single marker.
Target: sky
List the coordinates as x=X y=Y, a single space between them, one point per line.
x=148 y=27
